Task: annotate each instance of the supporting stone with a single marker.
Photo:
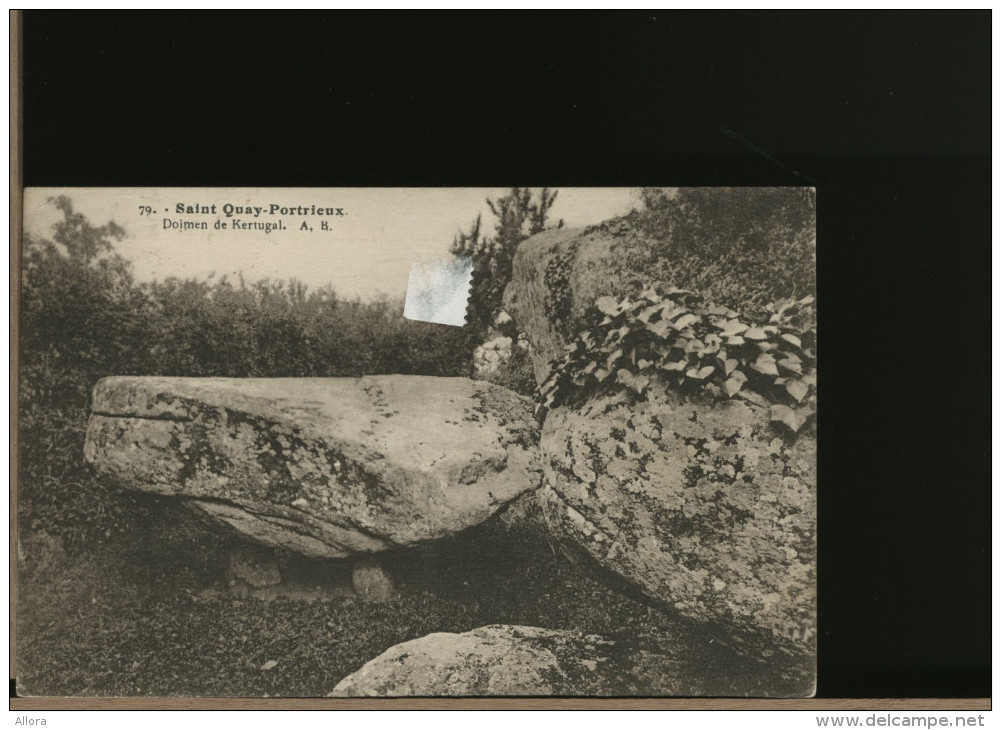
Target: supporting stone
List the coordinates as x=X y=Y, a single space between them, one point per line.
x=372 y=582
x=254 y=567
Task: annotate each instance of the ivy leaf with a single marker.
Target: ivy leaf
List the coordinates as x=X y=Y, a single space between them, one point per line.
x=685 y=320
x=661 y=328
x=810 y=378
x=643 y=364
x=793 y=340
x=734 y=383
x=615 y=356
x=647 y=314
x=729 y=366
x=636 y=382
x=601 y=374
x=607 y=305
x=755 y=333
x=765 y=364
x=733 y=328
x=735 y=340
x=700 y=374
x=797 y=389
x=786 y=415
x=791 y=364
x=677 y=366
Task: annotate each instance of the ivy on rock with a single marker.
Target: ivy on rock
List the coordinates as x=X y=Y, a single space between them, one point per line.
x=678 y=340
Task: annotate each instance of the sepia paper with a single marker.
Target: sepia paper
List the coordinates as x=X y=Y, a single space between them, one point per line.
x=417 y=442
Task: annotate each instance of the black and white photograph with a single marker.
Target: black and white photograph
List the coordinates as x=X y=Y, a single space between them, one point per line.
x=417 y=442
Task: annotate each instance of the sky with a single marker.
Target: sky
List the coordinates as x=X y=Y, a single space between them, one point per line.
x=365 y=252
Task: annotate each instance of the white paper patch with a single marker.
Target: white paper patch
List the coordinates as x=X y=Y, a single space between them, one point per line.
x=438 y=291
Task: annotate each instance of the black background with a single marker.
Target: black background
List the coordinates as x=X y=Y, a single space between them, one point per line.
x=886 y=114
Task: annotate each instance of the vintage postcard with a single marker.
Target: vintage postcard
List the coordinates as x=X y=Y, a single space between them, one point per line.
x=431 y=442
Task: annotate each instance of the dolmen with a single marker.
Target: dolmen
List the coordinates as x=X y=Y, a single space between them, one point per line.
x=704 y=506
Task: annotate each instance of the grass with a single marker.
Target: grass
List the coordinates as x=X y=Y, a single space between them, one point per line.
x=134 y=619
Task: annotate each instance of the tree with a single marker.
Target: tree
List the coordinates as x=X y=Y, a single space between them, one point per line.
x=519 y=214
x=81 y=317
x=78 y=300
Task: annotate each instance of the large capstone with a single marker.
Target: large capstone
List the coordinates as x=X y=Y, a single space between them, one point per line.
x=323 y=467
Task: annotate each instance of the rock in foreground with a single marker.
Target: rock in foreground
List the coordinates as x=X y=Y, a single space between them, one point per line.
x=509 y=660
x=504 y=660
x=325 y=467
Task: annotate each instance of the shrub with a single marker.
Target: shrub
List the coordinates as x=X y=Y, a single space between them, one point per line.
x=680 y=341
x=84 y=317
x=739 y=247
x=519 y=215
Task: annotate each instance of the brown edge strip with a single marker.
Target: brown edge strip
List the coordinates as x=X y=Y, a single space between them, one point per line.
x=811 y=705
x=16 y=212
